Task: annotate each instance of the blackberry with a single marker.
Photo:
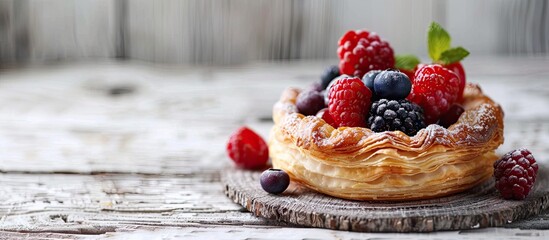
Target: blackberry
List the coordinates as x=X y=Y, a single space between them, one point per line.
x=396 y=115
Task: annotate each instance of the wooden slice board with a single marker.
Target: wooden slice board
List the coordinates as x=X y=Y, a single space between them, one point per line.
x=477 y=208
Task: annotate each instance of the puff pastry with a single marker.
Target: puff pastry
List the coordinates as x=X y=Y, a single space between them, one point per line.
x=358 y=164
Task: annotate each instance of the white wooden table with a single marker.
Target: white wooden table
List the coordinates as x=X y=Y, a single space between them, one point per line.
x=127 y=150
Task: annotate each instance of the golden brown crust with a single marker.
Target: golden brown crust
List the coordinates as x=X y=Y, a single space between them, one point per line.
x=356 y=163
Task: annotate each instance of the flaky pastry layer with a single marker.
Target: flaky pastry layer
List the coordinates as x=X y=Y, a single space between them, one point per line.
x=356 y=163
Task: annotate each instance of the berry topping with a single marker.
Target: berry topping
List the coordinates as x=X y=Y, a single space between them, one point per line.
x=368 y=80
x=440 y=51
x=435 y=89
x=310 y=102
x=247 y=149
x=361 y=51
x=320 y=114
x=274 y=181
x=329 y=74
x=349 y=102
x=451 y=117
x=409 y=73
x=327 y=91
x=392 y=85
x=460 y=72
x=325 y=115
x=316 y=86
x=407 y=64
x=396 y=115
x=515 y=174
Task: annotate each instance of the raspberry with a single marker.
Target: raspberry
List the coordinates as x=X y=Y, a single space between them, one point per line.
x=325 y=115
x=247 y=149
x=396 y=115
x=361 y=51
x=515 y=174
x=435 y=89
x=457 y=68
x=349 y=102
x=310 y=102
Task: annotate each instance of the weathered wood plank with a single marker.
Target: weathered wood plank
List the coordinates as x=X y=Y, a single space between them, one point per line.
x=273 y=232
x=159 y=135
x=107 y=204
x=96 y=204
x=260 y=233
x=67 y=119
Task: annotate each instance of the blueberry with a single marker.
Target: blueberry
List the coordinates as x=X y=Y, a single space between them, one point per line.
x=368 y=80
x=392 y=85
x=310 y=102
x=316 y=86
x=329 y=74
x=274 y=181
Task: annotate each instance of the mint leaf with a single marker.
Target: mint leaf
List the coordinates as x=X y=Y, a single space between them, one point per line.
x=406 y=62
x=438 y=41
x=453 y=55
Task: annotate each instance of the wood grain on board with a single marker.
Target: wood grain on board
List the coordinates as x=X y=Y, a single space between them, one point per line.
x=479 y=207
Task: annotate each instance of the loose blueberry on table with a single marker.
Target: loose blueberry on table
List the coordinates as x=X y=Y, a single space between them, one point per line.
x=274 y=181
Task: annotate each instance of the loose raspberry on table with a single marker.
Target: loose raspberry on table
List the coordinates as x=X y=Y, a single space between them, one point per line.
x=515 y=174
x=361 y=51
x=435 y=89
x=247 y=149
x=349 y=102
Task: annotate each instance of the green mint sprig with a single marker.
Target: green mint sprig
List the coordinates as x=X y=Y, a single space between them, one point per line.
x=438 y=44
x=406 y=62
